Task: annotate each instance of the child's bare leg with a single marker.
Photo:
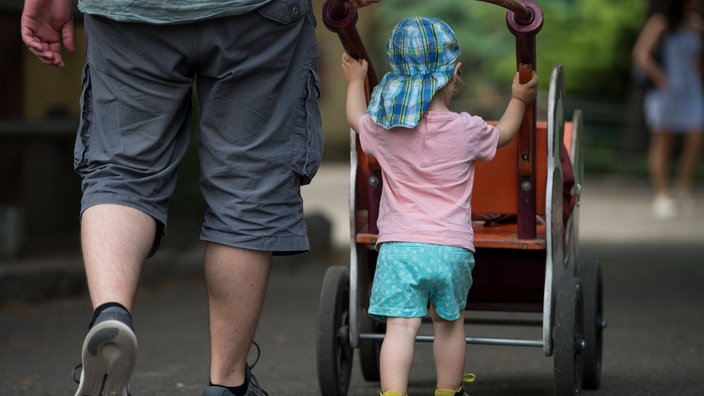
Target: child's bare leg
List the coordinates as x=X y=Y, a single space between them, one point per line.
x=449 y=350
x=397 y=353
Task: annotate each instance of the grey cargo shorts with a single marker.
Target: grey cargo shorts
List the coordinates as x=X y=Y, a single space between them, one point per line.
x=259 y=134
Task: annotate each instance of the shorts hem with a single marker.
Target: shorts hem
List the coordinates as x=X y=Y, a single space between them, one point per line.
x=381 y=314
x=121 y=200
x=279 y=246
x=445 y=316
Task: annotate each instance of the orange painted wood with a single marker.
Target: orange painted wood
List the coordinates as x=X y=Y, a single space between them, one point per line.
x=495 y=181
x=505 y=236
x=366 y=238
x=567 y=138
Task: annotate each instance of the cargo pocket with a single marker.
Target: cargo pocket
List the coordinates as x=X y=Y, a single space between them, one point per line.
x=81 y=147
x=284 y=11
x=307 y=143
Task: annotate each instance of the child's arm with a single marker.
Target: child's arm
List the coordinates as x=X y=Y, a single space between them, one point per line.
x=355 y=73
x=521 y=96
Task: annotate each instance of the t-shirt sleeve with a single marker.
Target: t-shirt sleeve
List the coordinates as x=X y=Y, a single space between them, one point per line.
x=366 y=134
x=485 y=137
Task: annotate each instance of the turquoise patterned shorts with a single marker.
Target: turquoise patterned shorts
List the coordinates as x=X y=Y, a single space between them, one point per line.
x=410 y=276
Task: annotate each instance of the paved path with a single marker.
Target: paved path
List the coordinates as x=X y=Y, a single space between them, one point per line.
x=653 y=274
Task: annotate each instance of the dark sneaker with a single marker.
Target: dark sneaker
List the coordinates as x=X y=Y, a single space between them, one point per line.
x=253 y=389
x=108 y=357
x=217 y=391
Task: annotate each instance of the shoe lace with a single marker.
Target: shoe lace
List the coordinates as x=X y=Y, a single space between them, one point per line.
x=252 y=378
x=259 y=353
x=467 y=378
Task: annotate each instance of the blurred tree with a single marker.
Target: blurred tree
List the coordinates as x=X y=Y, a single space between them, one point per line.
x=592 y=39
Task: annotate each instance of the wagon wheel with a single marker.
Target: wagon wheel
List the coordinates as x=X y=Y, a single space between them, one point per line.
x=557 y=267
x=594 y=323
x=369 y=350
x=333 y=344
x=568 y=342
x=575 y=155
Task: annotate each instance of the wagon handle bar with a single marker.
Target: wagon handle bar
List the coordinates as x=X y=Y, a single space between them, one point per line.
x=524 y=14
x=525 y=19
x=341 y=19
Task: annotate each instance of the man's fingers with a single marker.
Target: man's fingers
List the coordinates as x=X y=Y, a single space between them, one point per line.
x=48 y=57
x=67 y=38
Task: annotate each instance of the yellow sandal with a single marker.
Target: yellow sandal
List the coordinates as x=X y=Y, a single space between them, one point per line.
x=467 y=378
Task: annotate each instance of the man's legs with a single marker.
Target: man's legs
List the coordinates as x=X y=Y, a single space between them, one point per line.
x=236 y=280
x=115 y=242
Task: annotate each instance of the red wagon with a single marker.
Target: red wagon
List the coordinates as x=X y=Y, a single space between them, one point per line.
x=526 y=220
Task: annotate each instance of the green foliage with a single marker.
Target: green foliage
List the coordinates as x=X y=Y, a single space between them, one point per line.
x=592 y=39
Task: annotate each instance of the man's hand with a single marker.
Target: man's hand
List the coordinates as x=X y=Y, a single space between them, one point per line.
x=46 y=25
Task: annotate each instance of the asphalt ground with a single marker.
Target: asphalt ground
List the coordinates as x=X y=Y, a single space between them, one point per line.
x=653 y=288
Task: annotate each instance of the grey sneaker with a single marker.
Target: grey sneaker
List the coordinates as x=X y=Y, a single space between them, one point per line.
x=108 y=357
x=253 y=389
x=217 y=391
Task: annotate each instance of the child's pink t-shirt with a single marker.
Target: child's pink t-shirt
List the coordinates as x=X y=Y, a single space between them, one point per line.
x=428 y=173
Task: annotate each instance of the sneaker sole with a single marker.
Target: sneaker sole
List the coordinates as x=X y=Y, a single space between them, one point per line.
x=109 y=356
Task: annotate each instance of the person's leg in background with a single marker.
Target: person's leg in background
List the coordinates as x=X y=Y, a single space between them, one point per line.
x=659 y=153
x=687 y=168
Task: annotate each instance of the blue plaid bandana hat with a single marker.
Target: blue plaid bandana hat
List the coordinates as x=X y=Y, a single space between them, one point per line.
x=422 y=53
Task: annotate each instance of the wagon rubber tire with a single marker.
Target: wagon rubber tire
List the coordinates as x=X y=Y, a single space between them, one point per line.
x=333 y=345
x=568 y=337
x=592 y=291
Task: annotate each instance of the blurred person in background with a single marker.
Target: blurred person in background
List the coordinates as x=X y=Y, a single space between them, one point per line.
x=668 y=53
